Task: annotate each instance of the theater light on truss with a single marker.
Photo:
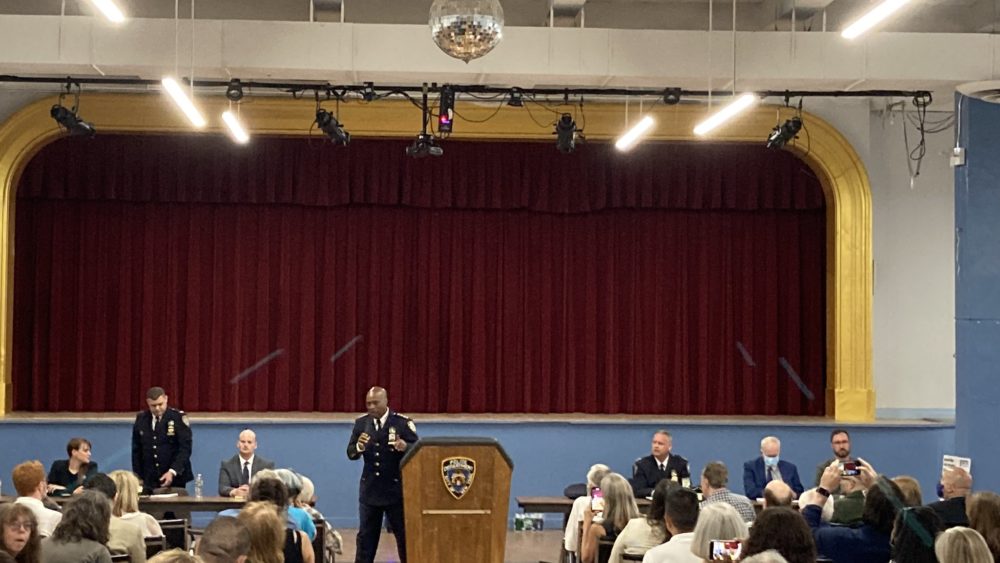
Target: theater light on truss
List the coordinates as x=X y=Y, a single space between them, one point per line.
x=183 y=102
x=566 y=134
x=110 y=10
x=628 y=140
x=726 y=113
x=236 y=130
x=329 y=124
x=783 y=134
x=873 y=18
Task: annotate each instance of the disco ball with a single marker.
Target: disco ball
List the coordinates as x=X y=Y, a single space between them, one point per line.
x=466 y=29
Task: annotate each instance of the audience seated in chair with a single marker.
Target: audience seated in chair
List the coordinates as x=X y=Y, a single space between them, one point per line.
x=912 y=495
x=718 y=521
x=176 y=556
x=962 y=545
x=849 y=507
x=680 y=516
x=783 y=530
x=984 y=517
x=571 y=537
x=124 y=537
x=126 y=503
x=714 y=479
x=225 y=540
x=778 y=493
x=19 y=533
x=807 y=497
x=270 y=540
x=956 y=485
x=331 y=539
x=767 y=468
x=867 y=543
x=644 y=532
x=913 y=535
x=29 y=481
x=619 y=508
x=82 y=534
x=301 y=519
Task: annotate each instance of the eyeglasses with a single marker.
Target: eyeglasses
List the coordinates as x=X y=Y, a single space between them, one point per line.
x=26 y=526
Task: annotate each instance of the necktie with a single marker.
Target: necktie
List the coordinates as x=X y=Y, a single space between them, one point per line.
x=156 y=422
x=246 y=473
x=378 y=425
x=663 y=467
x=775 y=474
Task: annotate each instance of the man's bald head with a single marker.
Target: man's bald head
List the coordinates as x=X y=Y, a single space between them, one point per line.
x=377 y=402
x=778 y=493
x=956 y=482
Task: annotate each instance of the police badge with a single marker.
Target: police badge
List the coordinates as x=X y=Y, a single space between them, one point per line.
x=458 y=474
x=170 y=428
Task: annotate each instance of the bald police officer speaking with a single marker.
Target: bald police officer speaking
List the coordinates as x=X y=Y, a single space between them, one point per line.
x=161 y=445
x=381 y=437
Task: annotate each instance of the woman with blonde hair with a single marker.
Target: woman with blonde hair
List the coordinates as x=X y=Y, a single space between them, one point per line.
x=126 y=503
x=267 y=532
x=619 y=508
x=984 y=517
x=962 y=545
x=717 y=521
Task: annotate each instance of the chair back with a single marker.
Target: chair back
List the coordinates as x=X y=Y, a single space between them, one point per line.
x=176 y=533
x=121 y=557
x=155 y=545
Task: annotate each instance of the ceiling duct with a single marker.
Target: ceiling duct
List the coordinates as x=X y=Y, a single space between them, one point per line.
x=567 y=13
x=327 y=10
x=987 y=90
x=804 y=9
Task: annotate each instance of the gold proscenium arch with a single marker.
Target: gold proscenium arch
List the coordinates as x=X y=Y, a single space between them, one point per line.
x=850 y=393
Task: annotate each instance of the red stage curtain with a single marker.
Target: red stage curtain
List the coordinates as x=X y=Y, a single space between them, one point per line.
x=502 y=277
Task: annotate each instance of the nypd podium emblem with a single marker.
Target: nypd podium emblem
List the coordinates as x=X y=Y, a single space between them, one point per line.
x=458 y=474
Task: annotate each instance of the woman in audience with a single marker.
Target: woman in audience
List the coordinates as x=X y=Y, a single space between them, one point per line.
x=619 y=508
x=642 y=533
x=67 y=475
x=82 y=534
x=267 y=532
x=19 y=530
x=126 y=503
x=912 y=496
x=962 y=545
x=913 y=535
x=571 y=537
x=299 y=519
x=783 y=530
x=769 y=556
x=717 y=521
x=331 y=539
x=984 y=517
x=867 y=543
x=175 y=556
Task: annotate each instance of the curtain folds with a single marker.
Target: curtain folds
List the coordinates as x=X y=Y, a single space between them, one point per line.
x=503 y=277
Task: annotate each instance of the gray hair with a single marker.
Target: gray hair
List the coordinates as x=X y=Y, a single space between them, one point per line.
x=597 y=472
x=770 y=439
x=962 y=545
x=291 y=480
x=717 y=521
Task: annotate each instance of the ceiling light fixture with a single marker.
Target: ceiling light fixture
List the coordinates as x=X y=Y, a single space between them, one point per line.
x=672 y=96
x=67 y=118
x=183 y=102
x=236 y=129
x=726 y=113
x=234 y=92
x=466 y=29
x=566 y=134
x=630 y=137
x=516 y=99
x=873 y=18
x=110 y=10
x=782 y=134
x=328 y=123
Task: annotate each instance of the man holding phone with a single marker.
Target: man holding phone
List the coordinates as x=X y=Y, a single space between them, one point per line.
x=840 y=443
x=381 y=436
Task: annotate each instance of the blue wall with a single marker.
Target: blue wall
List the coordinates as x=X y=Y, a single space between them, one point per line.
x=977 y=290
x=547 y=455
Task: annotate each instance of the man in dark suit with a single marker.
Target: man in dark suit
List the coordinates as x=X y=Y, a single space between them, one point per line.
x=381 y=437
x=236 y=472
x=758 y=472
x=956 y=485
x=161 y=444
x=660 y=464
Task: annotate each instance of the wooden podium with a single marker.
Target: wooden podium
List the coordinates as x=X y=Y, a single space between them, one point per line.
x=455 y=497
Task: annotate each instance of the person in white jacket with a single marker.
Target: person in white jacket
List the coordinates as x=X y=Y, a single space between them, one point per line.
x=571 y=537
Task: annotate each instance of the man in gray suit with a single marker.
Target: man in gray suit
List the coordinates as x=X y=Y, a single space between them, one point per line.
x=237 y=472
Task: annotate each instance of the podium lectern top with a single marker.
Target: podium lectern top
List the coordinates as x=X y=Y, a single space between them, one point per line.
x=456 y=441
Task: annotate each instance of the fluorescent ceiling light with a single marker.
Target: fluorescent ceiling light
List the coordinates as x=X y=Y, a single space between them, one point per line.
x=626 y=141
x=726 y=113
x=109 y=9
x=872 y=18
x=235 y=128
x=182 y=101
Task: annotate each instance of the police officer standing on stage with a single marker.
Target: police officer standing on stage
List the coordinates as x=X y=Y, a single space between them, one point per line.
x=161 y=444
x=381 y=436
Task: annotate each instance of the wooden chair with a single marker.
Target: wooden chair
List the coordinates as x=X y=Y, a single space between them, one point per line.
x=319 y=542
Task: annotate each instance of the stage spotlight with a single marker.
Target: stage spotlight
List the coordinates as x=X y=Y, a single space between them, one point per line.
x=446 y=110
x=672 y=96
x=782 y=134
x=516 y=98
x=566 y=134
x=327 y=122
x=71 y=122
x=368 y=92
x=235 y=90
x=424 y=145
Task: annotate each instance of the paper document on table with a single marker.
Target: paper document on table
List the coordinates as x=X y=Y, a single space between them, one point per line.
x=164 y=495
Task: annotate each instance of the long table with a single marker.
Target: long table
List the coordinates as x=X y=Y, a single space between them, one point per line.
x=560 y=505
x=170 y=504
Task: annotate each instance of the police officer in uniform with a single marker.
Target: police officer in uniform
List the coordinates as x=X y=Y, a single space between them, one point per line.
x=161 y=445
x=381 y=437
x=660 y=464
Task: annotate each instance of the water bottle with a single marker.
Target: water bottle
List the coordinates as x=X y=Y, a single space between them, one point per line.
x=199 y=484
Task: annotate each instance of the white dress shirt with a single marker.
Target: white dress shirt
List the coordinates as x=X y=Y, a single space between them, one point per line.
x=47 y=519
x=677 y=550
x=571 y=538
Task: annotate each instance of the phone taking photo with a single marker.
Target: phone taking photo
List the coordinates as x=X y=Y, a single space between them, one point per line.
x=726 y=550
x=849 y=469
x=596 y=500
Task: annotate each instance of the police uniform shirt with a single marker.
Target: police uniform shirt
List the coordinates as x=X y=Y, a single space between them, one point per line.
x=646 y=473
x=381 y=478
x=161 y=447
